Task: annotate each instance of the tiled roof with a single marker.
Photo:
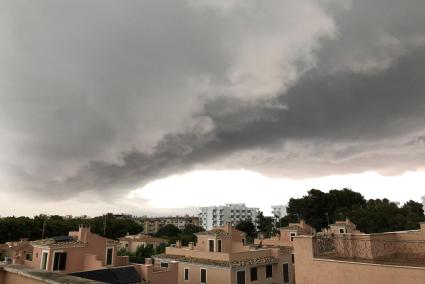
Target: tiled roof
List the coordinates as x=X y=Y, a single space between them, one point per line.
x=221 y=263
x=143 y=238
x=193 y=260
x=215 y=232
x=255 y=261
x=53 y=243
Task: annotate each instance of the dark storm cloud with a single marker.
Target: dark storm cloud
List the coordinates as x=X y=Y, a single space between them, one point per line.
x=349 y=117
x=125 y=100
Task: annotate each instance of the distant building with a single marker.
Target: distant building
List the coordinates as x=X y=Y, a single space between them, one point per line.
x=79 y=251
x=221 y=256
x=215 y=216
x=343 y=227
x=152 y=225
x=423 y=202
x=278 y=212
x=131 y=242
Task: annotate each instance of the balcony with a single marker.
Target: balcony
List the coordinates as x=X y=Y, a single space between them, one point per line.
x=366 y=249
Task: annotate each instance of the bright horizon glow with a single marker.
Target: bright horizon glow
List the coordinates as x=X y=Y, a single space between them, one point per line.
x=206 y=188
x=184 y=193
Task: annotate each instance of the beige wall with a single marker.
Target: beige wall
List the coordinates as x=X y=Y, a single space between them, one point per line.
x=11 y=278
x=158 y=276
x=88 y=257
x=197 y=254
x=309 y=270
x=214 y=274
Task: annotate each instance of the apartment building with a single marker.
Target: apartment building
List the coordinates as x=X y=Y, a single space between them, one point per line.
x=423 y=202
x=79 y=251
x=343 y=257
x=152 y=225
x=279 y=211
x=131 y=242
x=215 y=216
x=221 y=256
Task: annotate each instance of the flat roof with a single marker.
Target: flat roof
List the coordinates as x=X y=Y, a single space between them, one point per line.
x=46 y=276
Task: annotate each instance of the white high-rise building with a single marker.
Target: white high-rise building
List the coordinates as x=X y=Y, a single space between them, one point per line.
x=423 y=202
x=216 y=216
x=278 y=211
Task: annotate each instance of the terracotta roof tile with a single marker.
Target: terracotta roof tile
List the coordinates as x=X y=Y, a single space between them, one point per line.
x=215 y=232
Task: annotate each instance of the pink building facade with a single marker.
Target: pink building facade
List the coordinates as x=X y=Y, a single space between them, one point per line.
x=80 y=251
x=286 y=235
x=221 y=256
x=394 y=257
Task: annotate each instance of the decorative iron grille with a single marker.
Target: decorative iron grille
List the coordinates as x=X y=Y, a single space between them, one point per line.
x=369 y=249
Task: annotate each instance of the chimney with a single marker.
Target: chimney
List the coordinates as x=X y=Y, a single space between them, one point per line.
x=178 y=244
x=228 y=227
x=148 y=260
x=302 y=223
x=83 y=232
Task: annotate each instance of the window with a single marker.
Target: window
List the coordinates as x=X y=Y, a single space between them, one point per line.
x=59 y=261
x=243 y=241
x=164 y=264
x=341 y=231
x=109 y=252
x=186 y=274
x=203 y=275
x=254 y=276
x=269 y=271
x=240 y=277
x=44 y=257
x=293 y=258
x=219 y=245
x=285 y=273
x=292 y=236
x=211 y=245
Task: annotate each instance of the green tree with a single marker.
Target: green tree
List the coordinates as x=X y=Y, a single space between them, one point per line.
x=265 y=224
x=168 y=231
x=192 y=229
x=248 y=227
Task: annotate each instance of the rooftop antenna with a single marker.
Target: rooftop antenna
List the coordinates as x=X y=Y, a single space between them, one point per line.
x=44 y=228
x=104 y=225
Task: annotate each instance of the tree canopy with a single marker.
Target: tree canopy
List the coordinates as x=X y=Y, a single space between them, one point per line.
x=14 y=228
x=265 y=224
x=247 y=227
x=371 y=216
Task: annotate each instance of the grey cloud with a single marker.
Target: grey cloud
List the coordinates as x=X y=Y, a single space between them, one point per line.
x=335 y=124
x=131 y=94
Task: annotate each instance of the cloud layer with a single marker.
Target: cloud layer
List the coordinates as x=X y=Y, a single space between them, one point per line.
x=104 y=97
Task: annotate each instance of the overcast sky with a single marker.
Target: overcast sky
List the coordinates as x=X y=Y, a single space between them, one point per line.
x=156 y=107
